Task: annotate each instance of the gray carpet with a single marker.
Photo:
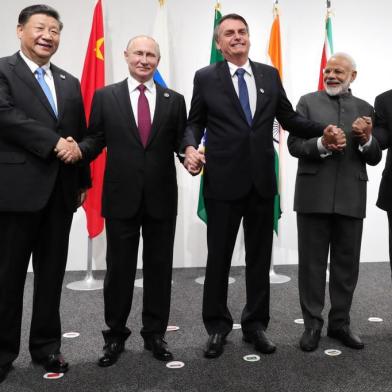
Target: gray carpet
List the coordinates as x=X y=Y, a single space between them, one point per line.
x=289 y=369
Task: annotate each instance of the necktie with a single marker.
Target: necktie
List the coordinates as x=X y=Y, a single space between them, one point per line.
x=143 y=115
x=243 y=94
x=40 y=72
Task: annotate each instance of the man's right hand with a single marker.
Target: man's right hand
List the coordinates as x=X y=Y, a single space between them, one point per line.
x=194 y=160
x=68 y=150
x=334 y=138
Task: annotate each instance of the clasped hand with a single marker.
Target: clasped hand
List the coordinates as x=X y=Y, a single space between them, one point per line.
x=194 y=160
x=334 y=138
x=362 y=129
x=67 y=150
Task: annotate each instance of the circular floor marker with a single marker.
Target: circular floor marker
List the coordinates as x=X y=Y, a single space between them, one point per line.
x=299 y=321
x=201 y=279
x=251 y=358
x=332 y=352
x=71 y=335
x=175 y=365
x=375 y=319
x=53 y=376
x=171 y=328
x=236 y=326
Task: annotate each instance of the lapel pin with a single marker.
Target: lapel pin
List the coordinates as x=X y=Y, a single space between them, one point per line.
x=62 y=76
x=166 y=95
x=262 y=91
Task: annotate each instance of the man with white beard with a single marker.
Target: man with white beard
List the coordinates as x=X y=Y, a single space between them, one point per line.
x=330 y=201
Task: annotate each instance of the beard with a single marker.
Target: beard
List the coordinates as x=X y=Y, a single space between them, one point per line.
x=337 y=90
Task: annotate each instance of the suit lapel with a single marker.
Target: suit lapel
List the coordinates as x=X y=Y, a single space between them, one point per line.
x=121 y=93
x=59 y=84
x=25 y=74
x=227 y=82
x=259 y=79
x=163 y=98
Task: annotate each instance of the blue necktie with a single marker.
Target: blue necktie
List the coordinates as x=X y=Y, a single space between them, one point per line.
x=243 y=94
x=40 y=72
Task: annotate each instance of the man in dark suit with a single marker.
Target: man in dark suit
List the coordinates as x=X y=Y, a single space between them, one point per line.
x=330 y=201
x=141 y=124
x=236 y=101
x=383 y=133
x=40 y=105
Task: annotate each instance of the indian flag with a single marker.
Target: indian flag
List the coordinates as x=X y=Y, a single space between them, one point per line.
x=275 y=55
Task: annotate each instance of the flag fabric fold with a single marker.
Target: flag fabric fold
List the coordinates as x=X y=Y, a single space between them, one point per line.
x=93 y=77
x=215 y=57
x=327 y=48
x=161 y=35
x=275 y=55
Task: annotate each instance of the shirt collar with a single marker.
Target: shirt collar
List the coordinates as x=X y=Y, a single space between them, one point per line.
x=233 y=68
x=133 y=84
x=33 y=66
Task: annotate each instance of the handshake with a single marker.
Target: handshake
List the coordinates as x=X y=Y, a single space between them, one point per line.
x=334 y=138
x=67 y=150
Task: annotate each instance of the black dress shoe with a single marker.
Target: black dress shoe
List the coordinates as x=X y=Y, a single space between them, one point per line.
x=4 y=370
x=346 y=336
x=310 y=339
x=158 y=346
x=214 y=346
x=111 y=352
x=260 y=341
x=54 y=363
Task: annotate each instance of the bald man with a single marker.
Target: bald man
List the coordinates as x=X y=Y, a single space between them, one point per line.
x=141 y=124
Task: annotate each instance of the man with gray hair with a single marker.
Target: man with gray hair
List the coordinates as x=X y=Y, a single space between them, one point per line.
x=141 y=124
x=330 y=201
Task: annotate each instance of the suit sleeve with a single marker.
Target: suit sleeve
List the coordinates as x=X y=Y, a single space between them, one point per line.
x=292 y=121
x=180 y=127
x=300 y=147
x=197 y=119
x=16 y=128
x=92 y=145
x=381 y=129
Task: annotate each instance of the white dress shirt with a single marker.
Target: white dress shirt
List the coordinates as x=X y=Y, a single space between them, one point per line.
x=48 y=75
x=150 y=93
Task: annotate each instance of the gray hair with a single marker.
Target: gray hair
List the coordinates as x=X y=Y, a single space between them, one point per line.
x=347 y=57
x=157 y=50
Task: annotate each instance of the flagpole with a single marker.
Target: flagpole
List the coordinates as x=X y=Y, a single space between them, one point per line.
x=93 y=77
x=274 y=277
x=89 y=282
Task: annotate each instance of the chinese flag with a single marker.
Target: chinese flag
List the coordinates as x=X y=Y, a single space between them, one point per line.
x=93 y=77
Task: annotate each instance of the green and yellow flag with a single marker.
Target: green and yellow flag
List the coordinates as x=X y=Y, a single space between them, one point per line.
x=216 y=56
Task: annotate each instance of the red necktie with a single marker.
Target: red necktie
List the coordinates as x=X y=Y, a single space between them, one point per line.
x=143 y=115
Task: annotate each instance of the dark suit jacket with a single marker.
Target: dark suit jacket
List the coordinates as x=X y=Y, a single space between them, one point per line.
x=29 y=133
x=134 y=173
x=238 y=155
x=337 y=183
x=383 y=133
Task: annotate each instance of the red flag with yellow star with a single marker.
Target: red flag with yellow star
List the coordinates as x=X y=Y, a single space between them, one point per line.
x=93 y=77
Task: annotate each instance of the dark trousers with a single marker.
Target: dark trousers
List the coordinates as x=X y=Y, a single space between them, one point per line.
x=44 y=235
x=122 y=250
x=317 y=235
x=224 y=219
x=390 y=236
